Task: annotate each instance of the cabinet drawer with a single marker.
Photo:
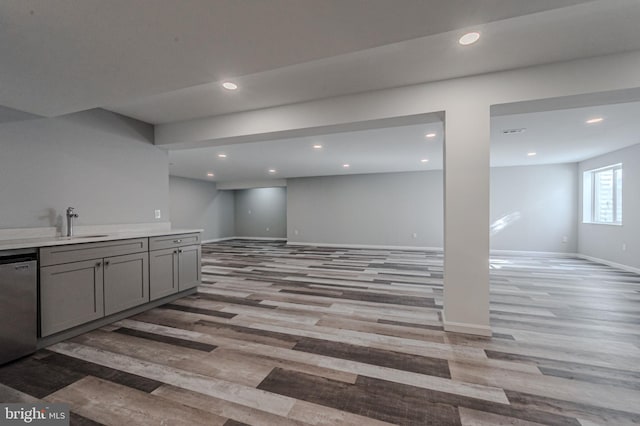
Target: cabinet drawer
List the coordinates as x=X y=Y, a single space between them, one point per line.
x=170 y=241
x=77 y=252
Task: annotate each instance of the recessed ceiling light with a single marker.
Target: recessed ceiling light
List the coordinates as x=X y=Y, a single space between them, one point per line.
x=229 y=85
x=595 y=120
x=469 y=38
x=222 y=155
x=430 y=135
x=272 y=170
x=346 y=166
x=210 y=174
x=531 y=154
x=317 y=146
x=424 y=160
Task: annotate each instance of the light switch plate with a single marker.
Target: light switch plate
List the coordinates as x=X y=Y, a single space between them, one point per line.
x=158 y=214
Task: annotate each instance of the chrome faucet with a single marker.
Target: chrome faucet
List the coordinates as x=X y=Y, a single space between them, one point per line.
x=70 y=216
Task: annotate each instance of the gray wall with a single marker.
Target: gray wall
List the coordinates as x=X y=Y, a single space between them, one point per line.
x=535 y=207
x=373 y=209
x=198 y=204
x=605 y=241
x=261 y=212
x=102 y=163
x=387 y=209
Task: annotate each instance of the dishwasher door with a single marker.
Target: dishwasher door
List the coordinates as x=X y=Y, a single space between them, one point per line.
x=18 y=305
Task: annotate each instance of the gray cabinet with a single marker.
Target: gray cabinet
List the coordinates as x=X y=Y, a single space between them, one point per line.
x=174 y=263
x=80 y=283
x=83 y=282
x=163 y=273
x=126 y=282
x=173 y=241
x=70 y=294
x=68 y=253
x=189 y=267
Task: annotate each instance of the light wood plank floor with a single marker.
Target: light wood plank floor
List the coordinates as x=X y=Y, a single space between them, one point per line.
x=281 y=335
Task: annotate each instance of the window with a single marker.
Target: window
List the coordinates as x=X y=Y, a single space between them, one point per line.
x=602 y=195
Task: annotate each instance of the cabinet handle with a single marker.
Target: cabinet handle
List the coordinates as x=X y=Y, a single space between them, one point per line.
x=98 y=264
x=177 y=241
x=106 y=263
x=179 y=251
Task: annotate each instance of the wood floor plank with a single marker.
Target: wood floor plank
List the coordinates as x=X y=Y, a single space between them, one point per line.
x=110 y=374
x=359 y=400
x=345 y=336
x=456 y=400
x=35 y=378
x=223 y=408
x=470 y=417
x=202 y=363
x=170 y=340
x=222 y=389
x=109 y=403
x=595 y=414
x=384 y=358
x=556 y=387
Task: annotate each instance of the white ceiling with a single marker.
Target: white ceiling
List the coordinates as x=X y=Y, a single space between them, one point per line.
x=62 y=56
x=585 y=30
x=390 y=149
x=562 y=136
x=162 y=61
x=559 y=136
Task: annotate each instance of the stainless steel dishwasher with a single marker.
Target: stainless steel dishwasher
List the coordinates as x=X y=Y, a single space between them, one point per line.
x=18 y=303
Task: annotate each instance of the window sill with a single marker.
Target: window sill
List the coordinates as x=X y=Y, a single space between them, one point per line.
x=601 y=223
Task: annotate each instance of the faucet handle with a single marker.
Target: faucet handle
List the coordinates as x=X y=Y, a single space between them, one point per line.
x=70 y=212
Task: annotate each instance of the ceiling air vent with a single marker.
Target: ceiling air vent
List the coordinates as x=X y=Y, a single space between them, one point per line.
x=513 y=131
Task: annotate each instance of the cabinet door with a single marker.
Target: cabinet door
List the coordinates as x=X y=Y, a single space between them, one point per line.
x=163 y=273
x=189 y=267
x=126 y=282
x=70 y=295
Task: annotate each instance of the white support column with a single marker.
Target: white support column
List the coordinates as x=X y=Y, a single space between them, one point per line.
x=466 y=218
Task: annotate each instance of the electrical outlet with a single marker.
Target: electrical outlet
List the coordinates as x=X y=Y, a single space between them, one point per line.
x=158 y=214
x=415 y=235
x=267 y=229
x=296 y=232
x=249 y=212
x=624 y=246
x=565 y=239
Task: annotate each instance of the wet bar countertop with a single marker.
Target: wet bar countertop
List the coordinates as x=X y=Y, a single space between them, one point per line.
x=89 y=238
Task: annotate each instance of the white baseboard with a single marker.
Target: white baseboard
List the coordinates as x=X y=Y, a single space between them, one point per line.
x=260 y=238
x=610 y=263
x=245 y=238
x=531 y=253
x=365 y=246
x=216 y=240
x=466 y=328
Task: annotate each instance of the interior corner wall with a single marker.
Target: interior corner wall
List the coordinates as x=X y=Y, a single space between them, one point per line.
x=103 y=164
x=261 y=212
x=606 y=241
x=384 y=209
x=534 y=208
x=197 y=204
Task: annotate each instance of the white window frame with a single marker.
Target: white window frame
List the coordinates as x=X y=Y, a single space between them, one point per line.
x=589 y=196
